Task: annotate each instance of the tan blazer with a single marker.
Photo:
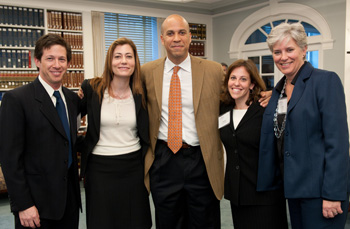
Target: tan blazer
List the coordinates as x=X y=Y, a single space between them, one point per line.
x=206 y=80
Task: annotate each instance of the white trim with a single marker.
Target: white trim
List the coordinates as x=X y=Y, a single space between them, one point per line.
x=279 y=11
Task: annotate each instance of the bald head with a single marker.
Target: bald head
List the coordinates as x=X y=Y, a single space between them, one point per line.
x=176 y=38
x=174 y=18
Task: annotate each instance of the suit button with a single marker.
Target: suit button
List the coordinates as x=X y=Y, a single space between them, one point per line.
x=237 y=167
x=234 y=135
x=287 y=153
x=236 y=151
x=65 y=178
x=65 y=161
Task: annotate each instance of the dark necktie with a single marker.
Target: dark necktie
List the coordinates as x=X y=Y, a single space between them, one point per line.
x=61 y=110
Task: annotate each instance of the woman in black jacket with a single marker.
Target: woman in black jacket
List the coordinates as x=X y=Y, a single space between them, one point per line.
x=240 y=123
x=116 y=142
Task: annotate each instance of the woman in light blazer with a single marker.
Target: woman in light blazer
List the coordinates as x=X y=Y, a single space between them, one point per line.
x=304 y=143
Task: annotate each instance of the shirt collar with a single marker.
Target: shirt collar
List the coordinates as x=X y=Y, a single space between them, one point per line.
x=185 y=65
x=48 y=88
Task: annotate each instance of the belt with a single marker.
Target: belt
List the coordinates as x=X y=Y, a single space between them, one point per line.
x=184 y=145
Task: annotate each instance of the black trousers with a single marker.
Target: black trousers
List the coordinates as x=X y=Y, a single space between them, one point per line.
x=70 y=219
x=181 y=190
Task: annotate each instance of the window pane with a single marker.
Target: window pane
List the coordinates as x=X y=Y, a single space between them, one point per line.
x=269 y=82
x=290 y=21
x=256 y=61
x=140 y=29
x=256 y=37
x=266 y=28
x=312 y=57
x=310 y=30
x=267 y=64
x=276 y=23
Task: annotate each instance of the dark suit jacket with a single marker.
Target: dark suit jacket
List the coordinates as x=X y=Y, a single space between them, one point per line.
x=34 y=149
x=316 y=142
x=92 y=107
x=242 y=150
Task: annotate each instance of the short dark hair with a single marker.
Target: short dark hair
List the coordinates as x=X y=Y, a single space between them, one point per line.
x=48 y=40
x=224 y=64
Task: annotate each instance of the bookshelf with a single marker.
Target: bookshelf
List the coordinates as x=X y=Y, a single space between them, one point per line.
x=20 y=27
x=198 y=43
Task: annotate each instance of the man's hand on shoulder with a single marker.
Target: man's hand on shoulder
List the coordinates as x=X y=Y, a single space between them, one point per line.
x=29 y=217
x=265 y=98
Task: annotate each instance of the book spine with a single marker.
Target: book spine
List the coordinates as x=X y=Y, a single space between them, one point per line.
x=13 y=59
x=29 y=59
x=15 y=37
x=5 y=15
x=30 y=17
x=9 y=37
x=25 y=16
x=19 y=59
x=41 y=18
x=15 y=15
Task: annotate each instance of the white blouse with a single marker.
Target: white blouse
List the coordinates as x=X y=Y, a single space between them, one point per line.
x=118 y=128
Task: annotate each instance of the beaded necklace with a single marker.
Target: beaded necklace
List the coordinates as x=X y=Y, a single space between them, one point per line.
x=277 y=130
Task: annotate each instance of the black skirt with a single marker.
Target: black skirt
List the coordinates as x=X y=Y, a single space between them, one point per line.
x=116 y=196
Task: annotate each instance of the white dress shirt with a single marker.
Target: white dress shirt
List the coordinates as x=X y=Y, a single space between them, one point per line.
x=189 y=131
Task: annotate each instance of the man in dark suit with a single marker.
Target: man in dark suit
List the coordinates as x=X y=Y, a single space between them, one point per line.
x=36 y=148
x=186 y=185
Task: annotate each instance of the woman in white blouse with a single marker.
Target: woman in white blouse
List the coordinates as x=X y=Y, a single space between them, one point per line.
x=116 y=142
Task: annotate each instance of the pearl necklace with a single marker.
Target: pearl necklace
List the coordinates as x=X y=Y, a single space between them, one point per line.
x=277 y=130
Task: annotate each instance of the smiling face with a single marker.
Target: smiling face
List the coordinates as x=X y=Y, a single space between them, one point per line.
x=123 y=61
x=176 y=38
x=53 y=65
x=239 y=84
x=288 y=56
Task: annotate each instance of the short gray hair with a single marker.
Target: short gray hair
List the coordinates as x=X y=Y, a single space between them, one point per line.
x=295 y=31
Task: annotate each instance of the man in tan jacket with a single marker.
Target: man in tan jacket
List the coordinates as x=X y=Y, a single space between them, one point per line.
x=186 y=185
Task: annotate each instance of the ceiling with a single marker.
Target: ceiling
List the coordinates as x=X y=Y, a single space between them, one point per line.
x=209 y=7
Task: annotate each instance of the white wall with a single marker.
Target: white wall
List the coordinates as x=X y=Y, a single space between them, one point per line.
x=87 y=6
x=332 y=11
x=347 y=60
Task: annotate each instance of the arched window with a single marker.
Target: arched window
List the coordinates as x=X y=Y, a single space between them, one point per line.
x=249 y=39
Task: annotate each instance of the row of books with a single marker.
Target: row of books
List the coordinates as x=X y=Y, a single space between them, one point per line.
x=197 y=48
x=21 y=16
x=13 y=79
x=198 y=31
x=64 y=20
x=74 y=39
x=15 y=58
x=73 y=79
x=13 y=37
x=77 y=60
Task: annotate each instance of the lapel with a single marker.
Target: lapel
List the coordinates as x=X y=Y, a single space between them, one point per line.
x=197 y=81
x=95 y=108
x=138 y=101
x=253 y=108
x=300 y=86
x=72 y=113
x=47 y=107
x=158 y=73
